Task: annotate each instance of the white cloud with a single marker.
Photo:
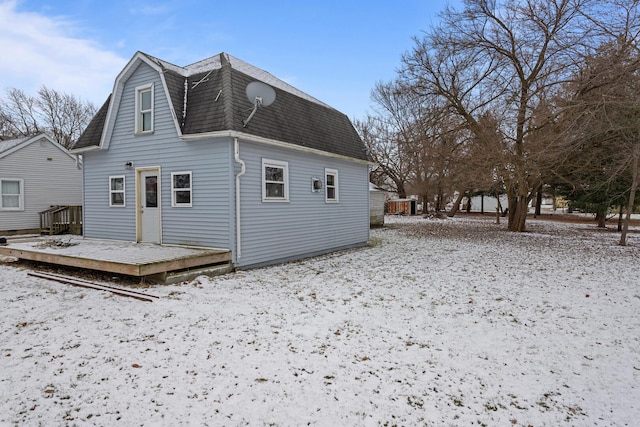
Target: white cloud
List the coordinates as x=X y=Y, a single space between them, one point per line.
x=37 y=50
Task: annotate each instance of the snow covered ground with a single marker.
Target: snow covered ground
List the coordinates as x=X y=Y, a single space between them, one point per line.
x=439 y=322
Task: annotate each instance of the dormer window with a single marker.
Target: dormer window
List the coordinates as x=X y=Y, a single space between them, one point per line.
x=144 y=109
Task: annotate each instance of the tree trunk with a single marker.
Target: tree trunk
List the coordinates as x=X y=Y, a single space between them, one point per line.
x=439 y=200
x=518 y=210
x=632 y=195
x=620 y=217
x=456 y=204
x=601 y=218
x=498 y=209
x=425 y=203
x=538 y=204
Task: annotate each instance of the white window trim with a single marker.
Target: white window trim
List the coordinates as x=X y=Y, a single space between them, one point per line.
x=20 y=206
x=336 y=182
x=275 y=164
x=123 y=191
x=138 y=106
x=174 y=203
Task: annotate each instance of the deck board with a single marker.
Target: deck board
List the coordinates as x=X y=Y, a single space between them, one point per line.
x=134 y=259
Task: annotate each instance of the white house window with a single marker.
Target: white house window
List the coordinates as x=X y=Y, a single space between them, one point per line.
x=144 y=109
x=116 y=191
x=181 y=189
x=275 y=180
x=12 y=192
x=331 y=185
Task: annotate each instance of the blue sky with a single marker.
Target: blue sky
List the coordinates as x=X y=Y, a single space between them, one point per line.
x=335 y=51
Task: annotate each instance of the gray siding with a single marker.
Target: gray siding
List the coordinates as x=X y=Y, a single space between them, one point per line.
x=207 y=222
x=204 y=224
x=57 y=181
x=306 y=225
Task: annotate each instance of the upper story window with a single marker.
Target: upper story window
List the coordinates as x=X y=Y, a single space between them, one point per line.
x=275 y=181
x=116 y=191
x=144 y=109
x=331 y=185
x=11 y=194
x=181 y=189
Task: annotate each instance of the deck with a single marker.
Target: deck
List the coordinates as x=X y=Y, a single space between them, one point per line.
x=159 y=263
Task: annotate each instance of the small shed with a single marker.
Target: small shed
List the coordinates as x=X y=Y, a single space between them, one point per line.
x=377 y=197
x=401 y=207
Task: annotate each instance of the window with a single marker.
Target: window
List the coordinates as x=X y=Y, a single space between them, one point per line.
x=331 y=185
x=181 y=189
x=275 y=180
x=144 y=109
x=12 y=194
x=116 y=191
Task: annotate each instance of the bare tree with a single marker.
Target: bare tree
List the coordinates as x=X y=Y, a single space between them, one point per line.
x=392 y=170
x=61 y=115
x=19 y=115
x=503 y=59
x=392 y=137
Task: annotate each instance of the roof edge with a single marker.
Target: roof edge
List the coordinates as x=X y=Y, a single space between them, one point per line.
x=35 y=138
x=269 y=141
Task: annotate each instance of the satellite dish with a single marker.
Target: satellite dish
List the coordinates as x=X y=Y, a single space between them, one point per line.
x=261 y=92
x=260 y=95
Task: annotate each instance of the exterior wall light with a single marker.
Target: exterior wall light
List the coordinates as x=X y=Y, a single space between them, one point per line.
x=316 y=185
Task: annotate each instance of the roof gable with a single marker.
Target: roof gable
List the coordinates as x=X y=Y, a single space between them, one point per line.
x=12 y=145
x=209 y=96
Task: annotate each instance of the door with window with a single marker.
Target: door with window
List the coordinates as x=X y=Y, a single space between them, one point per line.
x=149 y=208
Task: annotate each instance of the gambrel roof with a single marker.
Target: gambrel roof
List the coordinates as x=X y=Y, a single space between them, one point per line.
x=209 y=97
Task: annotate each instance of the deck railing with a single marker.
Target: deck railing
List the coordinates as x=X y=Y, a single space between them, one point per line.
x=61 y=219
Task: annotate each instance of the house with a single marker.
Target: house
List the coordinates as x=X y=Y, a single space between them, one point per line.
x=223 y=154
x=35 y=173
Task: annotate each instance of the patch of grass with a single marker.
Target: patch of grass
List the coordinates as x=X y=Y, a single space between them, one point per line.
x=374 y=241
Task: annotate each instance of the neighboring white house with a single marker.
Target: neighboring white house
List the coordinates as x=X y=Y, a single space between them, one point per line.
x=35 y=174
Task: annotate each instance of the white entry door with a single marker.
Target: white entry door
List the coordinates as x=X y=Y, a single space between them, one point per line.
x=149 y=198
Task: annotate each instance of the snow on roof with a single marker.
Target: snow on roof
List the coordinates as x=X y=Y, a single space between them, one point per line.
x=10 y=143
x=215 y=62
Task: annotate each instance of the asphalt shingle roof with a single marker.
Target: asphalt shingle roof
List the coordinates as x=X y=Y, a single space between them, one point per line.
x=216 y=101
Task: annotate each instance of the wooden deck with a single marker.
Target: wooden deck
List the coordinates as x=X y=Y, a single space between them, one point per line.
x=156 y=262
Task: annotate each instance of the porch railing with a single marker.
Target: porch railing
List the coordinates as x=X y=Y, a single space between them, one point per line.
x=61 y=219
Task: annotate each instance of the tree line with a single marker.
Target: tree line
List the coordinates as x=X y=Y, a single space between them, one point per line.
x=63 y=116
x=515 y=97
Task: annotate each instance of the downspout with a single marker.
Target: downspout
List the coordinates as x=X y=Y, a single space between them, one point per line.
x=236 y=148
